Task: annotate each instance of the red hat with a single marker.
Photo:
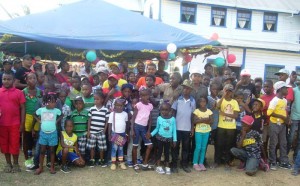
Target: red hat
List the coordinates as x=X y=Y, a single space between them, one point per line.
x=248 y=120
x=113 y=76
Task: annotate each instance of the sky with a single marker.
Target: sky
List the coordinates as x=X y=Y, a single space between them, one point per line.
x=15 y=7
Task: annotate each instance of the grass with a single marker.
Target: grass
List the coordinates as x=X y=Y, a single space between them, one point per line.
x=104 y=176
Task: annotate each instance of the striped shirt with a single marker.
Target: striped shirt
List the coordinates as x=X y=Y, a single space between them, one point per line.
x=98 y=119
x=80 y=120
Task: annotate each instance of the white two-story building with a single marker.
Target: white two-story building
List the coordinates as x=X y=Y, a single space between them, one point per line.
x=263 y=34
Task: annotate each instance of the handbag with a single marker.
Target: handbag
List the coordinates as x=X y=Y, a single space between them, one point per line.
x=117 y=138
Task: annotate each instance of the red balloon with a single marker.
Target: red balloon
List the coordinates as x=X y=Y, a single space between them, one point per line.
x=164 y=55
x=188 y=58
x=231 y=58
x=214 y=36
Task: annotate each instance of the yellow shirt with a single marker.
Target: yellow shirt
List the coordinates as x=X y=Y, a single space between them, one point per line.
x=68 y=141
x=277 y=106
x=228 y=107
x=202 y=127
x=120 y=83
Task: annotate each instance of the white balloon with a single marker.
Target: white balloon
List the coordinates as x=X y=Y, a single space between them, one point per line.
x=171 y=48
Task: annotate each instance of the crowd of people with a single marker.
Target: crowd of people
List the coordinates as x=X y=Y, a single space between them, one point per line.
x=111 y=116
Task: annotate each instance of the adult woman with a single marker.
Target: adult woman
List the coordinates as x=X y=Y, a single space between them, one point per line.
x=64 y=76
x=50 y=75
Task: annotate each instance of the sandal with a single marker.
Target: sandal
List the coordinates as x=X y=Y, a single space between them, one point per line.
x=15 y=168
x=7 y=168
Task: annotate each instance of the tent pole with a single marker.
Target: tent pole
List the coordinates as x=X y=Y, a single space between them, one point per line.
x=25 y=47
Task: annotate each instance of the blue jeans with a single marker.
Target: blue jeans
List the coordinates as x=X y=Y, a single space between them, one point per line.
x=251 y=163
x=140 y=131
x=201 y=140
x=117 y=149
x=294 y=127
x=297 y=162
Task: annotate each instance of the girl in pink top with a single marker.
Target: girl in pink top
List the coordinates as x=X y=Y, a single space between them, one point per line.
x=141 y=126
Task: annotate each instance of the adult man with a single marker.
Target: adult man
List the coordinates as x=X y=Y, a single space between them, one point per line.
x=246 y=86
x=171 y=91
x=151 y=70
x=20 y=75
x=87 y=70
x=199 y=89
x=161 y=72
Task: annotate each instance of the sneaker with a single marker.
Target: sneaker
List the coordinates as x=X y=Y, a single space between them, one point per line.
x=273 y=166
x=129 y=163
x=91 y=163
x=29 y=163
x=285 y=165
x=186 y=169
x=197 y=167
x=174 y=170
x=146 y=167
x=65 y=169
x=97 y=163
x=202 y=167
x=139 y=162
x=295 y=172
x=122 y=166
x=168 y=170
x=113 y=166
x=32 y=168
x=160 y=170
x=103 y=164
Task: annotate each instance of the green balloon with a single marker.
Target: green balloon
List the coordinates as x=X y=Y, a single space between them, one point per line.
x=219 y=62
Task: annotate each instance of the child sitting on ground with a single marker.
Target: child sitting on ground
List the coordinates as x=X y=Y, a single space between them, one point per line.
x=165 y=132
x=249 y=146
x=67 y=149
x=118 y=133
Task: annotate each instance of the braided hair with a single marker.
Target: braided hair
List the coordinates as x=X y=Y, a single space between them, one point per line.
x=49 y=97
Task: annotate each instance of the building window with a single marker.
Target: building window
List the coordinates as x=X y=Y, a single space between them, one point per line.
x=188 y=13
x=243 y=19
x=270 y=71
x=270 y=22
x=298 y=70
x=218 y=16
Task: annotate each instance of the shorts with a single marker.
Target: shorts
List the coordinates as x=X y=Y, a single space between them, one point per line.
x=140 y=131
x=98 y=139
x=71 y=157
x=9 y=139
x=266 y=133
x=81 y=141
x=48 y=139
x=29 y=125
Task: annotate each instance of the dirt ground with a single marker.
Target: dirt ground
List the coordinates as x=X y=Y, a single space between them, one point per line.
x=104 y=176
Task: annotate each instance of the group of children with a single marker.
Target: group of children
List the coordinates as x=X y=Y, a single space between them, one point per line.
x=79 y=126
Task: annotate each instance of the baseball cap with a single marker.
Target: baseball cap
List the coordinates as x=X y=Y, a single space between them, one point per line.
x=113 y=76
x=102 y=70
x=228 y=87
x=187 y=83
x=282 y=71
x=245 y=72
x=78 y=98
x=16 y=61
x=7 y=61
x=248 y=120
x=280 y=84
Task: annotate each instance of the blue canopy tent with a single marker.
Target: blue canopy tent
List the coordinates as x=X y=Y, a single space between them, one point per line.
x=96 y=24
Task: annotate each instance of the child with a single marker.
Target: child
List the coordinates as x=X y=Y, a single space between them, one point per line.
x=97 y=126
x=80 y=119
x=249 y=145
x=244 y=108
x=48 y=133
x=40 y=80
x=118 y=128
x=165 y=132
x=228 y=112
x=97 y=86
x=141 y=125
x=259 y=117
x=184 y=106
x=212 y=105
x=12 y=119
x=75 y=90
x=66 y=110
x=202 y=119
x=131 y=79
x=31 y=93
x=87 y=96
x=278 y=120
x=68 y=148
x=113 y=90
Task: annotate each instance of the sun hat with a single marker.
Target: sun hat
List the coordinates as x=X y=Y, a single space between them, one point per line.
x=113 y=64
x=263 y=103
x=280 y=84
x=248 y=120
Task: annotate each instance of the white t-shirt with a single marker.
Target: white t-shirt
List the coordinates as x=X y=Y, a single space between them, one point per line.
x=120 y=122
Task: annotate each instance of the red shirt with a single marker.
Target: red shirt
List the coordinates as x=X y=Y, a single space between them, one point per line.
x=290 y=95
x=118 y=93
x=10 y=104
x=142 y=81
x=267 y=99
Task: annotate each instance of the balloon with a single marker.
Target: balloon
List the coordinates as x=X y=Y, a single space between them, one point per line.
x=91 y=56
x=148 y=62
x=188 y=58
x=171 y=48
x=214 y=36
x=164 y=55
x=231 y=58
x=219 y=62
x=172 y=56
